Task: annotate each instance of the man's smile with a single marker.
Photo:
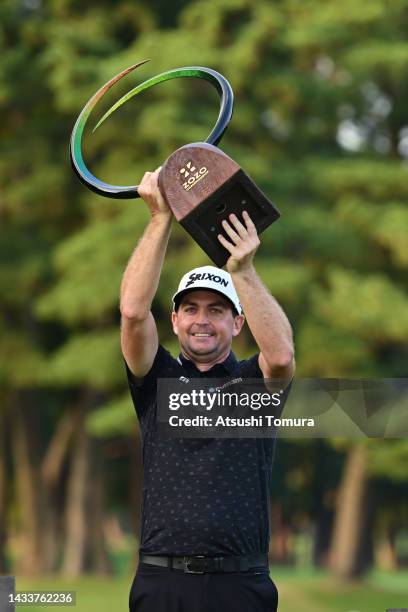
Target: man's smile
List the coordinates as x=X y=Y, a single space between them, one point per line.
x=201 y=335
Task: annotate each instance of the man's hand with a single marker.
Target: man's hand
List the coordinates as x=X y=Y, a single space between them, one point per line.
x=244 y=242
x=151 y=194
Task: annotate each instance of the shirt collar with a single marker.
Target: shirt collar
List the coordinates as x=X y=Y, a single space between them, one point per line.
x=228 y=365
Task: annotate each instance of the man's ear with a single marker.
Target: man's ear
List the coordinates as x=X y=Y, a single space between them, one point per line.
x=239 y=321
x=174 y=322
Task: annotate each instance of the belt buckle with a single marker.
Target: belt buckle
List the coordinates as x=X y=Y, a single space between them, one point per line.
x=186 y=563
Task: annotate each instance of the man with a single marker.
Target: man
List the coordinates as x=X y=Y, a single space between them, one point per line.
x=205 y=518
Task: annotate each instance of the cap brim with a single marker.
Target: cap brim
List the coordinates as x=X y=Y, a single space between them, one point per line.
x=177 y=297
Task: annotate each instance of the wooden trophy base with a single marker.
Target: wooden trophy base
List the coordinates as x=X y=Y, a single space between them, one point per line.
x=203 y=186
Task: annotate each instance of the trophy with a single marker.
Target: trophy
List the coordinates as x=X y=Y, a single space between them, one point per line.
x=201 y=184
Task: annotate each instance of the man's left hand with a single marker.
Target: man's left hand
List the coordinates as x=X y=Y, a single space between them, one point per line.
x=243 y=242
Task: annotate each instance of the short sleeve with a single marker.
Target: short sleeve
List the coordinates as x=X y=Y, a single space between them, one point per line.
x=143 y=391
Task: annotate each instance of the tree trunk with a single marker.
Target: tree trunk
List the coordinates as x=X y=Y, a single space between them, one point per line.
x=75 y=519
x=84 y=548
x=3 y=493
x=323 y=532
x=51 y=472
x=50 y=529
x=385 y=551
x=28 y=492
x=37 y=480
x=281 y=538
x=348 y=552
x=99 y=559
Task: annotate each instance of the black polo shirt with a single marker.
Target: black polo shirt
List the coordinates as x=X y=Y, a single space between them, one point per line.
x=201 y=496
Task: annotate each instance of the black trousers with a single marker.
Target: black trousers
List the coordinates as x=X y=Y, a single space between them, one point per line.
x=158 y=589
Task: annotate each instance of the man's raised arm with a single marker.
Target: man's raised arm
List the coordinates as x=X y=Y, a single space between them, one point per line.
x=139 y=338
x=266 y=320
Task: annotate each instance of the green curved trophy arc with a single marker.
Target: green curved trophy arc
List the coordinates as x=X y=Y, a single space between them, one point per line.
x=123 y=191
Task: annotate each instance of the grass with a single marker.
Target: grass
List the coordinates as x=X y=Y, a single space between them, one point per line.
x=313 y=591
x=305 y=591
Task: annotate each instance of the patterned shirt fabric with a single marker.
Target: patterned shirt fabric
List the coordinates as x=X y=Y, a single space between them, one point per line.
x=201 y=496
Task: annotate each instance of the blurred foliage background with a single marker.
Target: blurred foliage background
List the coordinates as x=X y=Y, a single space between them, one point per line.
x=320 y=124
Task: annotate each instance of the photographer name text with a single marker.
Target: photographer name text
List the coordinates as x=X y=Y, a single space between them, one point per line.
x=252 y=421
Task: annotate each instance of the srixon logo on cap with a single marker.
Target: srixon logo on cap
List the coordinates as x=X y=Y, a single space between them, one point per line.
x=206 y=276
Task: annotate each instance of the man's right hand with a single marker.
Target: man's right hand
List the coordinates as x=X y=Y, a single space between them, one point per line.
x=149 y=191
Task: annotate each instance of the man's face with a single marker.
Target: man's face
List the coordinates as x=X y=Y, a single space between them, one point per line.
x=205 y=325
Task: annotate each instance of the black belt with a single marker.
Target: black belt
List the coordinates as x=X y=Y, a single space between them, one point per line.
x=198 y=564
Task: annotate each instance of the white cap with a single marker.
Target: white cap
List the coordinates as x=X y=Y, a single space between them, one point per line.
x=212 y=279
